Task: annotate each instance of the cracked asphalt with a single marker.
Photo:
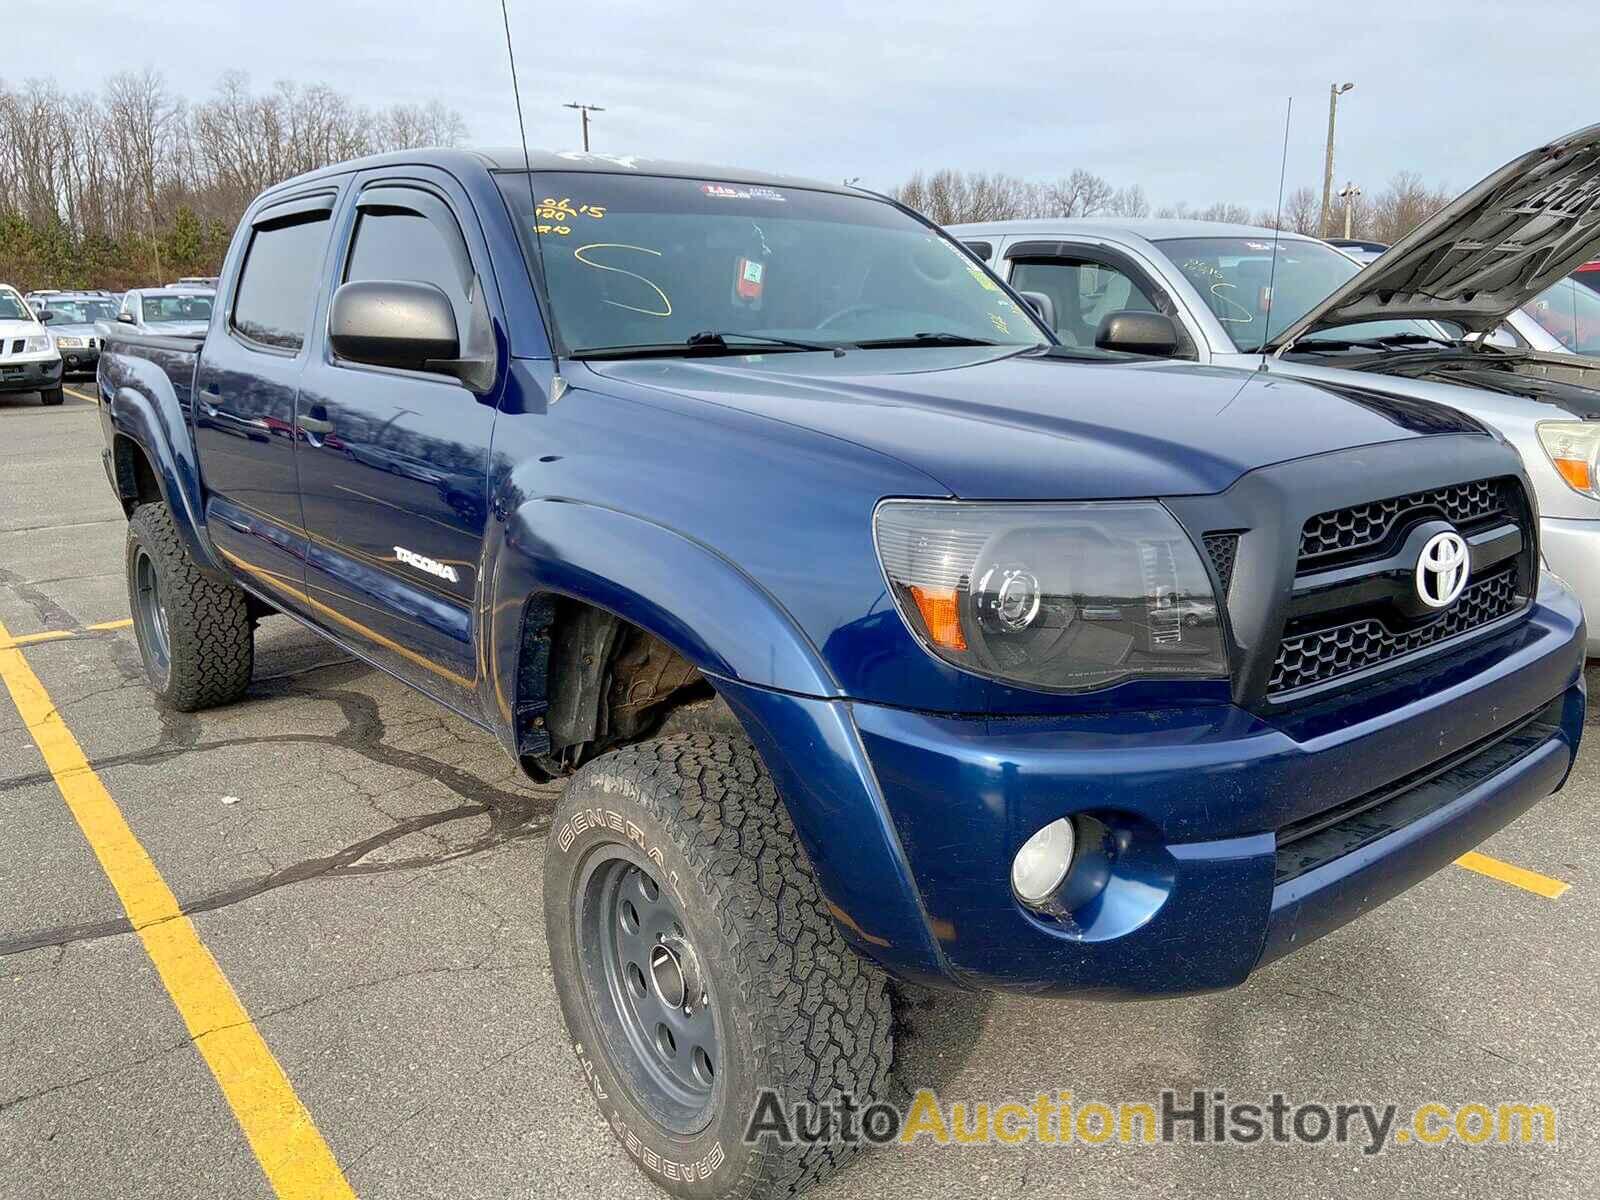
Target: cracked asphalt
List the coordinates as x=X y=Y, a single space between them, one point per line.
x=365 y=868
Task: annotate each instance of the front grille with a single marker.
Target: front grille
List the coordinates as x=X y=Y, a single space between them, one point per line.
x=1222 y=549
x=1307 y=844
x=1311 y=657
x=17 y=344
x=1346 y=532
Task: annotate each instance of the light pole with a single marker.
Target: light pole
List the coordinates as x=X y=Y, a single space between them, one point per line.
x=1348 y=194
x=1335 y=90
x=585 y=110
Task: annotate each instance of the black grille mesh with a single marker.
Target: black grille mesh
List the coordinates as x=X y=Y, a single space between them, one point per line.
x=1221 y=548
x=1363 y=525
x=1319 y=655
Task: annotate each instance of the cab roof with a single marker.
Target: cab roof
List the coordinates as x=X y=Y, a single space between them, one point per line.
x=511 y=159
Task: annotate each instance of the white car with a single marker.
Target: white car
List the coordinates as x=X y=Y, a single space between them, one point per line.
x=29 y=360
x=1421 y=322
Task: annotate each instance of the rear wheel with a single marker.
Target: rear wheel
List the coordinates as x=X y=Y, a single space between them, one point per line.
x=195 y=635
x=52 y=396
x=698 y=971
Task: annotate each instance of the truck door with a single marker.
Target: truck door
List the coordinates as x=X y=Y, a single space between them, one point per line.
x=393 y=463
x=245 y=386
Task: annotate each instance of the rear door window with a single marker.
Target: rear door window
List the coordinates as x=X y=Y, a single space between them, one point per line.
x=1083 y=293
x=278 y=284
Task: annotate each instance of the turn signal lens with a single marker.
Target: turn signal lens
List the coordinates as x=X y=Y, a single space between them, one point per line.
x=1573 y=447
x=941 y=615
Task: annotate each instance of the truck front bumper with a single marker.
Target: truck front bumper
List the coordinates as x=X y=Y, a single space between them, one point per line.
x=79 y=358
x=30 y=375
x=1211 y=840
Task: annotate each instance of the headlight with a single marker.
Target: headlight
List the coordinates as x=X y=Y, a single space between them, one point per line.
x=1055 y=597
x=72 y=342
x=1573 y=447
x=37 y=344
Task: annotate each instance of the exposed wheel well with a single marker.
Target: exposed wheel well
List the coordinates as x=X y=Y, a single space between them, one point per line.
x=135 y=478
x=588 y=680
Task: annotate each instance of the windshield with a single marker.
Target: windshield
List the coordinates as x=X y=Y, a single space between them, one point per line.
x=164 y=309
x=1232 y=275
x=635 y=261
x=1570 y=313
x=80 y=312
x=13 y=309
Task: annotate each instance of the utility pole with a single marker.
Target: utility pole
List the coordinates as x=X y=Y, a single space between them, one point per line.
x=1348 y=194
x=585 y=110
x=1335 y=90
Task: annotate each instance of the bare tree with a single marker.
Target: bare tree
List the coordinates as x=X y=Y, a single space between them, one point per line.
x=1080 y=194
x=137 y=183
x=1129 y=201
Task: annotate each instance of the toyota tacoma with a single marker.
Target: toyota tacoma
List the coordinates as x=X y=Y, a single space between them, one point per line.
x=880 y=634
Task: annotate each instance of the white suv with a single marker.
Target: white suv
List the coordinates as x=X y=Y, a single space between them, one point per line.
x=29 y=360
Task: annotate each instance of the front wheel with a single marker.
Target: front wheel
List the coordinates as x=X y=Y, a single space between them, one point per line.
x=700 y=978
x=52 y=396
x=195 y=635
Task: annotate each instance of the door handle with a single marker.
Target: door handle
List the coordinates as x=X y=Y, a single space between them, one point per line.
x=314 y=425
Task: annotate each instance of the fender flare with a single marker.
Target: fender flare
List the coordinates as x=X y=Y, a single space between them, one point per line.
x=759 y=659
x=698 y=602
x=159 y=430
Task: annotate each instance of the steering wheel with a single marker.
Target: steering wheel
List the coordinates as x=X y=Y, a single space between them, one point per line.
x=845 y=312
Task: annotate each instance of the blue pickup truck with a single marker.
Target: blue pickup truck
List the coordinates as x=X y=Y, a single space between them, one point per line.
x=880 y=634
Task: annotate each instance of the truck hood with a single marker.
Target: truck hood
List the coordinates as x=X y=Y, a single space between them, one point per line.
x=1491 y=250
x=988 y=425
x=77 y=329
x=10 y=329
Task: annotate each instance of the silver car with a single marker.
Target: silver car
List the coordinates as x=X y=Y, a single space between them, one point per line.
x=1421 y=322
x=73 y=319
x=178 y=311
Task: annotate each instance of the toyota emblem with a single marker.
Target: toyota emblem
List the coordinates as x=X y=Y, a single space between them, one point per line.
x=1442 y=569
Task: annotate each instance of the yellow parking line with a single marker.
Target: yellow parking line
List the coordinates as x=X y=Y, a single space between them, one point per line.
x=56 y=635
x=1532 y=881
x=79 y=395
x=287 y=1144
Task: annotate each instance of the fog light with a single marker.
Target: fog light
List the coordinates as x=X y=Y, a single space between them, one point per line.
x=1043 y=861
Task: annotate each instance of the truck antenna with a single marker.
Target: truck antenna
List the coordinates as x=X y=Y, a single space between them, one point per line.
x=558 y=385
x=1277 y=228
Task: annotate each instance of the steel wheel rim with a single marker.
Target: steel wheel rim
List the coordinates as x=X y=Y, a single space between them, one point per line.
x=149 y=617
x=648 y=991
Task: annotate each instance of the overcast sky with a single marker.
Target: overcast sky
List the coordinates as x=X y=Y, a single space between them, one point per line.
x=1186 y=99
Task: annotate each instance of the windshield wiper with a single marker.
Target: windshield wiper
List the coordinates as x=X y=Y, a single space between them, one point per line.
x=719 y=337
x=925 y=339
x=708 y=344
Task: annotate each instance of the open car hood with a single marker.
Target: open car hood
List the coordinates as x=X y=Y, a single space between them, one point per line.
x=1491 y=250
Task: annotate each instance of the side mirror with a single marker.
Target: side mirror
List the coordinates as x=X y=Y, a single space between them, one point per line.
x=126 y=318
x=393 y=323
x=1134 y=331
x=1043 y=305
x=46 y=316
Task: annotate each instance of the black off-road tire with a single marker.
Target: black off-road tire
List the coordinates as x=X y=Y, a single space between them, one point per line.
x=199 y=650
x=797 y=1013
x=52 y=396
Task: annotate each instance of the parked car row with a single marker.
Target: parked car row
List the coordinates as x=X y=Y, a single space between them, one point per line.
x=1111 y=622
x=49 y=334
